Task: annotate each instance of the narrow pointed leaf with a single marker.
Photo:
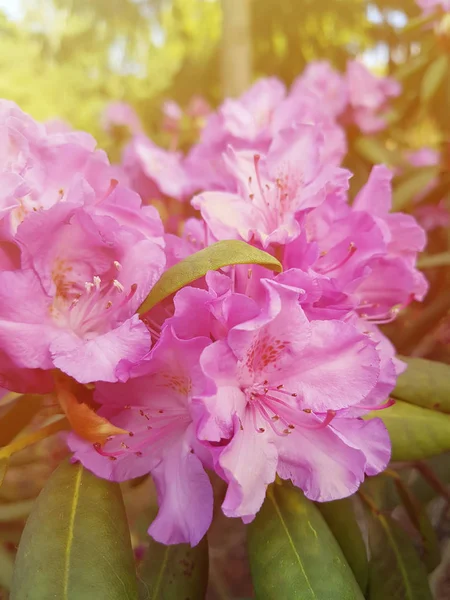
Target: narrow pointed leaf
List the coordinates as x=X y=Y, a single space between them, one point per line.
x=395 y=569
x=76 y=543
x=433 y=78
x=417 y=514
x=340 y=518
x=415 y=432
x=171 y=572
x=434 y=260
x=374 y=151
x=293 y=553
x=221 y=254
x=20 y=413
x=407 y=186
x=425 y=383
x=32 y=438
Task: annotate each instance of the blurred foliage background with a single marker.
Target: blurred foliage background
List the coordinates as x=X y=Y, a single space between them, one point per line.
x=68 y=58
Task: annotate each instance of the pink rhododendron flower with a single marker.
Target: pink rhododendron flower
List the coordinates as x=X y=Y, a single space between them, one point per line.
x=198 y=107
x=368 y=96
x=246 y=373
x=325 y=83
x=307 y=109
x=271 y=190
x=155 y=172
x=120 y=115
x=281 y=382
x=433 y=216
x=429 y=6
x=155 y=407
x=172 y=115
x=72 y=305
x=244 y=123
x=39 y=169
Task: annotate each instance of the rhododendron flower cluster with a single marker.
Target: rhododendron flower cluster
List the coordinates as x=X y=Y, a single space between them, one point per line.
x=430 y=6
x=245 y=373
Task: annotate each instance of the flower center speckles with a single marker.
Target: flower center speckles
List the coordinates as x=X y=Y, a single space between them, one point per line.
x=89 y=310
x=275 y=198
x=271 y=407
x=158 y=424
x=263 y=352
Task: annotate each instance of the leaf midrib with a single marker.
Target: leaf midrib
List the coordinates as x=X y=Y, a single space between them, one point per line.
x=160 y=574
x=398 y=556
x=291 y=542
x=70 y=532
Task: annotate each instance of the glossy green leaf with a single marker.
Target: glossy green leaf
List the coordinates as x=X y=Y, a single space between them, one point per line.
x=434 y=260
x=434 y=78
x=221 y=254
x=374 y=151
x=425 y=383
x=293 y=553
x=419 y=518
x=76 y=543
x=20 y=413
x=174 y=572
x=415 y=432
x=395 y=569
x=410 y=184
x=340 y=518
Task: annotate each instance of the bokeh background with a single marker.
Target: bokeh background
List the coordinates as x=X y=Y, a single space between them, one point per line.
x=69 y=58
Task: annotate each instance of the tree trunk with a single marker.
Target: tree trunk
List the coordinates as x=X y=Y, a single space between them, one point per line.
x=236 y=47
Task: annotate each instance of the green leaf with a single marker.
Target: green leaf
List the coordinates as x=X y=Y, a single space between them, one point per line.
x=76 y=543
x=22 y=410
x=411 y=184
x=416 y=432
x=382 y=491
x=340 y=518
x=6 y=568
x=374 y=151
x=293 y=553
x=434 y=78
x=172 y=572
x=419 y=518
x=395 y=569
x=425 y=383
x=212 y=258
x=434 y=260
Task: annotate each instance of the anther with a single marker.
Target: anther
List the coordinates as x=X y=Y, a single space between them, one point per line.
x=119 y=287
x=117 y=265
x=97 y=281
